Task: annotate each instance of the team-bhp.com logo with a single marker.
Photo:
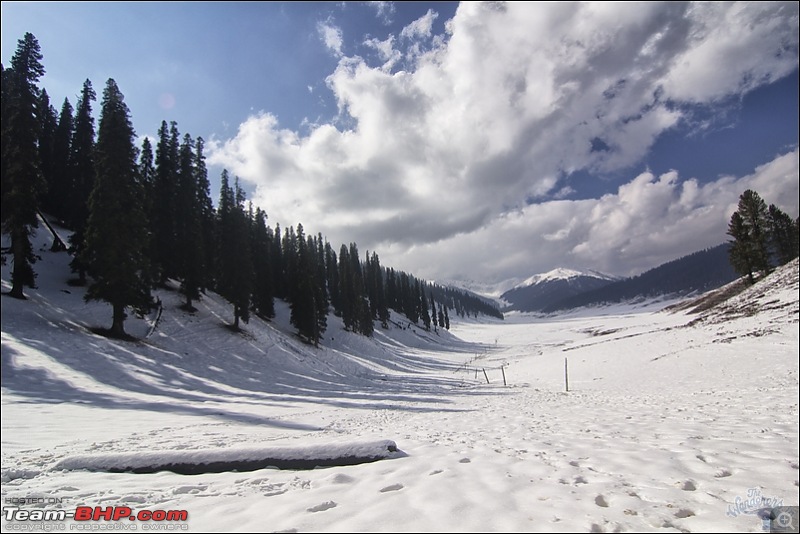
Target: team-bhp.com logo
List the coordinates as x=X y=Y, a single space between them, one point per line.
x=87 y=518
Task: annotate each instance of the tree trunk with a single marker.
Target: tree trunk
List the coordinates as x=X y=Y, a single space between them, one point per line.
x=236 y=317
x=118 y=326
x=18 y=276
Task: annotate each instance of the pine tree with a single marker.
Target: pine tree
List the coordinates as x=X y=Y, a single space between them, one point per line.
x=22 y=181
x=332 y=273
x=189 y=253
x=48 y=122
x=346 y=291
x=748 y=227
x=116 y=232
x=207 y=216
x=433 y=314
x=61 y=183
x=235 y=278
x=165 y=195
x=146 y=173
x=82 y=175
x=278 y=279
x=423 y=309
x=360 y=301
x=262 y=263
x=380 y=291
x=321 y=294
x=303 y=302
x=783 y=238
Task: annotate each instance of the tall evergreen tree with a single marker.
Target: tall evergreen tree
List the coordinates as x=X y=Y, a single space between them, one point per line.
x=165 y=194
x=262 y=263
x=360 y=303
x=146 y=173
x=235 y=278
x=116 y=233
x=381 y=303
x=207 y=216
x=289 y=265
x=189 y=240
x=58 y=190
x=423 y=309
x=748 y=227
x=740 y=252
x=346 y=291
x=320 y=281
x=783 y=238
x=332 y=274
x=22 y=181
x=433 y=313
x=278 y=280
x=304 y=305
x=48 y=122
x=82 y=174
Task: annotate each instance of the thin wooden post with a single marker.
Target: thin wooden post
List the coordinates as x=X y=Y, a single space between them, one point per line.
x=486 y=376
x=566 y=376
x=503 y=370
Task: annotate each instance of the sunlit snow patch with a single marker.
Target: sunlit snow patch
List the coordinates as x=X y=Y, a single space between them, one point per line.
x=195 y=462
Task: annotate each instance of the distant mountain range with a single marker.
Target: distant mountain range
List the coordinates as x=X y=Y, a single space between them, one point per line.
x=564 y=289
x=542 y=291
x=702 y=271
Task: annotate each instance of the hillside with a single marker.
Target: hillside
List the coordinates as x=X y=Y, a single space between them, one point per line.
x=650 y=436
x=695 y=273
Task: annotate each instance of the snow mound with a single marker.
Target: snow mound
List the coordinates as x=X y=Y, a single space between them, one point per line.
x=195 y=462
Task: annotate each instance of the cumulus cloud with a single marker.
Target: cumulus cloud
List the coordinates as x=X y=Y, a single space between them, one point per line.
x=440 y=161
x=646 y=222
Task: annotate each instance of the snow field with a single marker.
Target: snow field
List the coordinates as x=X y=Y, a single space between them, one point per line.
x=664 y=427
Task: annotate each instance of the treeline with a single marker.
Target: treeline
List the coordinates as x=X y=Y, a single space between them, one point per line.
x=142 y=216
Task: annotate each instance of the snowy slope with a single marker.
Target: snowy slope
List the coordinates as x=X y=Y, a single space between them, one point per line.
x=670 y=421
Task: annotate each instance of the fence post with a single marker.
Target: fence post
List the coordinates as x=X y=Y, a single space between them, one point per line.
x=486 y=376
x=566 y=376
x=503 y=370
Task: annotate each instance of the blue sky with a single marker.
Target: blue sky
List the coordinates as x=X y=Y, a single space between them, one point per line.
x=474 y=141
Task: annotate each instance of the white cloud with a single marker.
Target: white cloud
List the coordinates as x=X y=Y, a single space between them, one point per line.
x=422 y=27
x=332 y=37
x=648 y=221
x=442 y=157
x=386 y=51
x=384 y=10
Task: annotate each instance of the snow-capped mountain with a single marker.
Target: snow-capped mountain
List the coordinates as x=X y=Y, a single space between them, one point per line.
x=495 y=290
x=542 y=290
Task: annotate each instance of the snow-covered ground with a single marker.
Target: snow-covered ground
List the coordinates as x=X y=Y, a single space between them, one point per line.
x=667 y=425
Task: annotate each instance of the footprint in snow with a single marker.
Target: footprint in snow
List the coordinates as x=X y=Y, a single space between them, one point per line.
x=393 y=487
x=327 y=505
x=601 y=501
x=689 y=485
x=722 y=473
x=464 y=461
